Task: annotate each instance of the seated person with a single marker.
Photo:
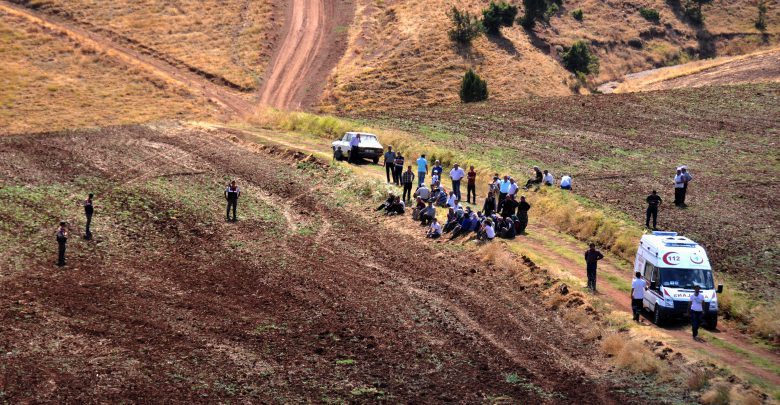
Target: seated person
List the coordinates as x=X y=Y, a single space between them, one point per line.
x=434 y=231
x=423 y=192
x=507 y=229
x=470 y=224
x=566 y=182
x=435 y=179
x=548 y=179
x=452 y=200
x=387 y=203
x=419 y=206
x=487 y=233
x=396 y=208
x=441 y=198
x=428 y=214
x=338 y=154
x=538 y=176
x=453 y=219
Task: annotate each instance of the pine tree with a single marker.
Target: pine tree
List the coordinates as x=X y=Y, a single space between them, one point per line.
x=473 y=88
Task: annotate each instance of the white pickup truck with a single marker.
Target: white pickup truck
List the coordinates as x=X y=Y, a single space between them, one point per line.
x=368 y=148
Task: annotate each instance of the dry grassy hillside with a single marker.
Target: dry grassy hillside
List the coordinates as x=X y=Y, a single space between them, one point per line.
x=229 y=39
x=399 y=55
x=47 y=83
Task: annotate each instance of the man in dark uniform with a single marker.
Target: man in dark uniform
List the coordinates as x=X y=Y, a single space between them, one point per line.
x=399 y=168
x=653 y=202
x=509 y=207
x=592 y=256
x=62 y=240
x=389 y=162
x=89 y=209
x=522 y=215
x=232 y=192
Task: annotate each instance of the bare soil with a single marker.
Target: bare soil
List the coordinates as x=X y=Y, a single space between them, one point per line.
x=300 y=300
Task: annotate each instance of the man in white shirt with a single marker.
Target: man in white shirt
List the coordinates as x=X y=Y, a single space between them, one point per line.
x=696 y=309
x=452 y=200
x=513 y=187
x=679 y=188
x=548 y=179
x=566 y=182
x=354 y=144
x=686 y=177
x=434 y=232
x=456 y=174
x=638 y=287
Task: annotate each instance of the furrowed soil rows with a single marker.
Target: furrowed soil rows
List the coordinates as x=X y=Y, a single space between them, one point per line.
x=170 y=303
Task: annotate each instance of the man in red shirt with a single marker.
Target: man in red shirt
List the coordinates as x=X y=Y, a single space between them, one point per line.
x=471 y=186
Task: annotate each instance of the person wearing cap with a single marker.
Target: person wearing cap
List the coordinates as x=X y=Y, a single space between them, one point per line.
x=548 y=179
x=537 y=179
x=422 y=169
x=696 y=309
x=89 y=209
x=232 y=192
x=686 y=178
x=434 y=232
x=489 y=206
x=522 y=215
x=679 y=188
x=407 y=179
x=565 y=182
x=471 y=186
x=389 y=162
x=653 y=202
x=638 y=287
x=62 y=241
x=592 y=256
x=457 y=174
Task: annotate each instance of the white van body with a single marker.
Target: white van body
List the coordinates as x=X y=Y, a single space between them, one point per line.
x=672 y=265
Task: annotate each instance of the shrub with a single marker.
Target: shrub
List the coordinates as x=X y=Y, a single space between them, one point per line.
x=473 y=88
x=650 y=14
x=693 y=10
x=534 y=10
x=498 y=15
x=719 y=394
x=577 y=14
x=551 y=11
x=578 y=58
x=465 y=27
x=761 y=20
x=766 y=322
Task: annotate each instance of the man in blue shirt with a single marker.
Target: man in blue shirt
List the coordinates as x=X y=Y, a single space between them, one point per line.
x=437 y=169
x=422 y=170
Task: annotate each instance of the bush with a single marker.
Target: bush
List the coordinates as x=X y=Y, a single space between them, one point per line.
x=498 y=15
x=693 y=10
x=650 y=14
x=551 y=11
x=578 y=58
x=761 y=20
x=465 y=27
x=534 y=10
x=577 y=14
x=473 y=88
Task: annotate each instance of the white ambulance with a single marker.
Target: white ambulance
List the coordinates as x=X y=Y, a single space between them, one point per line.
x=673 y=265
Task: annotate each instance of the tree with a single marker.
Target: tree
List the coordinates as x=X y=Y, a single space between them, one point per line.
x=578 y=14
x=578 y=59
x=473 y=88
x=465 y=26
x=693 y=10
x=761 y=20
x=534 y=10
x=498 y=15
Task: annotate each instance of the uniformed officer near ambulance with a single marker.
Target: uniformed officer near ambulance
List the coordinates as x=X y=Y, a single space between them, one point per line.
x=232 y=192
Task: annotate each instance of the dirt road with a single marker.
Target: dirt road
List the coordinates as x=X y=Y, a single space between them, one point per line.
x=300 y=300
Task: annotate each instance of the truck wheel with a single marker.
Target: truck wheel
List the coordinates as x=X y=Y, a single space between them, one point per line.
x=658 y=318
x=376 y=160
x=711 y=322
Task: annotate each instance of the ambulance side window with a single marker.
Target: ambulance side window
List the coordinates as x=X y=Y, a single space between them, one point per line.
x=652 y=274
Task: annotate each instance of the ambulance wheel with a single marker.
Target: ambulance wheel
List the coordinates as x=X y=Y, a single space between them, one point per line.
x=711 y=322
x=658 y=317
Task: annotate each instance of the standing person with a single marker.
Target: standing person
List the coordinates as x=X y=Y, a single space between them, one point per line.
x=456 y=174
x=592 y=256
x=679 y=188
x=399 y=168
x=513 y=187
x=89 y=209
x=407 y=179
x=522 y=215
x=653 y=202
x=62 y=241
x=422 y=169
x=503 y=191
x=232 y=192
x=354 y=147
x=686 y=178
x=389 y=162
x=471 y=186
x=548 y=179
x=638 y=287
x=696 y=308
x=490 y=204
x=509 y=207
x=437 y=170
x=566 y=182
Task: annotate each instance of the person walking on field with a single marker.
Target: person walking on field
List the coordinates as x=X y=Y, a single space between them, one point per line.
x=696 y=308
x=62 y=241
x=232 y=192
x=422 y=169
x=522 y=215
x=399 y=168
x=471 y=186
x=686 y=178
x=407 y=179
x=679 y=188
x=89 y=209
x=592 y=256
x=638 y=287
x=653 y=202
x=389 y=162
x=354 y=146
x=457 y=174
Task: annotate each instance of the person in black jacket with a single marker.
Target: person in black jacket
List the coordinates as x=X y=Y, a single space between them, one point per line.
x=62 y=240
x=89 y=209
x=509 y=207
x=232 y=192
x=653 y=202
x=490 y=204
x=522 y=215
x=592 y=256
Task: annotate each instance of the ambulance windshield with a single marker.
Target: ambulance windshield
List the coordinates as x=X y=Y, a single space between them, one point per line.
x=687 y=278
